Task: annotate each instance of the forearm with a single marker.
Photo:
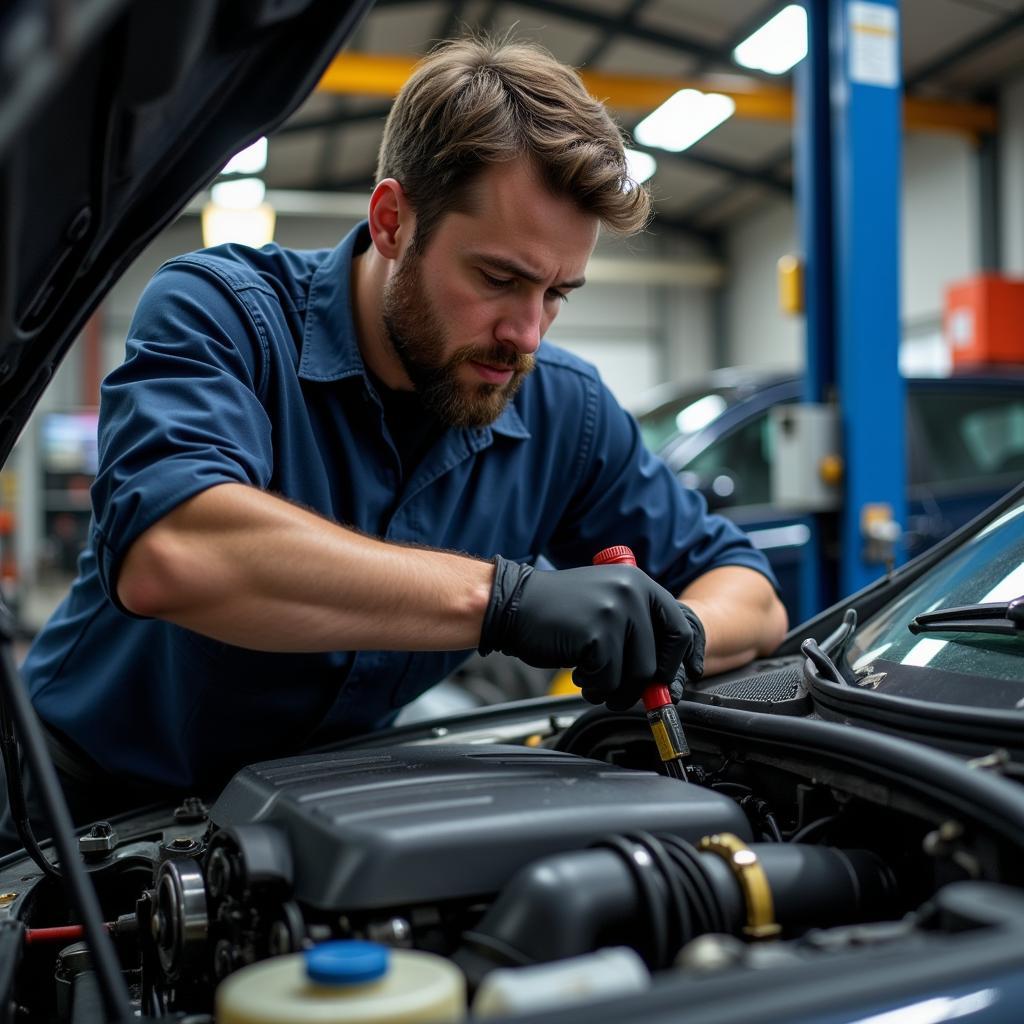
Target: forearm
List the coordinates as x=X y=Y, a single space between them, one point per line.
x=741 y=614
x=253 y=570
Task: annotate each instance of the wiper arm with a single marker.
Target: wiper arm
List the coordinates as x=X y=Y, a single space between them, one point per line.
x=1000 y=619
x=835 y=643
x=822 y=662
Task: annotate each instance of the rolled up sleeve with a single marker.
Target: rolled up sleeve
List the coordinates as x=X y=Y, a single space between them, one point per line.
x=183 y=412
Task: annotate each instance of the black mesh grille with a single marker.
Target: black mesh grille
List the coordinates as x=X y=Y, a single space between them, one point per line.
x=776 y=690
x=782 y=684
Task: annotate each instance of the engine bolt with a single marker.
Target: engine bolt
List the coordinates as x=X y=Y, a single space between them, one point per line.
x=394 y=932
x=950 y=830
x=192 y=809
x=223 y=959
x=98 y=842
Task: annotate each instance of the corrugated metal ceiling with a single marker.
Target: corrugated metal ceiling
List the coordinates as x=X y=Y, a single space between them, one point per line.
x=957 y=50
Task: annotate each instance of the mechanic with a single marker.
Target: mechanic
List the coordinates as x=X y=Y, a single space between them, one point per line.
x=325 y=476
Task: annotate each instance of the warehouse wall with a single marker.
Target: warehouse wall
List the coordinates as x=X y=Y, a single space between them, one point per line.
x=641 y=334
x=940 y=220
x=1011 y=143
x=939 y=245
x=941 y=234
x=757 y=333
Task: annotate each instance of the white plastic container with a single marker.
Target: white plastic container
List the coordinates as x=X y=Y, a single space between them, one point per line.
x=513 y=990
x=344 y=983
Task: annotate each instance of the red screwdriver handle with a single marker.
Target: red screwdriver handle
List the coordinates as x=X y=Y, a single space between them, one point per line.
x=656 y=695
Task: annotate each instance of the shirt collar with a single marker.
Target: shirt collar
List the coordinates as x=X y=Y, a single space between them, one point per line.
x=510 y=423
x=330 y=346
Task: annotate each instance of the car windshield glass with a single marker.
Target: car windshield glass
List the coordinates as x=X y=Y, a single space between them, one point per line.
x=683 y=415
x=987 y=569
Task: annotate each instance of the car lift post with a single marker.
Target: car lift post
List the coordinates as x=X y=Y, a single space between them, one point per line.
x=813 y=191
x=848 y=180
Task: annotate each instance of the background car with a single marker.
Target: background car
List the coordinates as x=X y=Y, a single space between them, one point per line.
x=965 y=448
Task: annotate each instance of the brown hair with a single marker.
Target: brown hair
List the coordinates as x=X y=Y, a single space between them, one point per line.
x=474 y=102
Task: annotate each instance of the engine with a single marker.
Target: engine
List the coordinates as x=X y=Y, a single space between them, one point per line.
x=559 y=844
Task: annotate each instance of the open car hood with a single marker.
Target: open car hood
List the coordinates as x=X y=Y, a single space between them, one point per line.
x=114 y=113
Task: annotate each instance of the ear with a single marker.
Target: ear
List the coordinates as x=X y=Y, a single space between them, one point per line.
x=392 y=221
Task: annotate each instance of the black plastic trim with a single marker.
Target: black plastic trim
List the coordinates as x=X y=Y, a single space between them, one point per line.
x=901 y=765
x=968 y=727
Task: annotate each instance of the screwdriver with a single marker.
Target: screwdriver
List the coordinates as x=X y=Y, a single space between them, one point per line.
x=662 y=715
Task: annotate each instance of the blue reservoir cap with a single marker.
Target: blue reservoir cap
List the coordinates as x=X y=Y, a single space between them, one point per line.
x=346 y=962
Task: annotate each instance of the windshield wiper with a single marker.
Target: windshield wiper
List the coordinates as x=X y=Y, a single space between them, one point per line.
x=835 y=643
x=1004 y=618
x=822 y=662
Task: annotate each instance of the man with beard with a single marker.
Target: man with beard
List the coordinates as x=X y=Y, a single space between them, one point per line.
x=325 y=477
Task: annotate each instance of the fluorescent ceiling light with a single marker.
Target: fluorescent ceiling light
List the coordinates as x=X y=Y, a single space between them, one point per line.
x=683 y=119
x=639 y=167
x=254 y=227
x=251 y=160
x=240 y=194
x=237 y=213
x=778 y=44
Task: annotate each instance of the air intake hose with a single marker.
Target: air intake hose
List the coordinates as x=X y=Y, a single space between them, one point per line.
x=656 y=893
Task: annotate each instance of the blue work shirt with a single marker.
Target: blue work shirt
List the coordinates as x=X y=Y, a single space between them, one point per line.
x=243 y=366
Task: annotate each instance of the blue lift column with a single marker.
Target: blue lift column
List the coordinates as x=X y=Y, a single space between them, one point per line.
x=867 y=134
x=848 y=189
x=812 y=145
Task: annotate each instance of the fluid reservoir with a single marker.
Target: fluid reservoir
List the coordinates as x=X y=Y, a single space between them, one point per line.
x=596 y=976
x=344 y=982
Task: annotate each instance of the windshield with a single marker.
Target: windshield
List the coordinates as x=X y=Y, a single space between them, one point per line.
x=685 y=414
x=986 y=569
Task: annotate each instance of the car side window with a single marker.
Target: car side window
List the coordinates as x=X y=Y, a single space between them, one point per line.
x=971 y=436
x=745 y=458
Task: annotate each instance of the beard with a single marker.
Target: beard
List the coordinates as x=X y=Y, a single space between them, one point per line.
x=419 y=341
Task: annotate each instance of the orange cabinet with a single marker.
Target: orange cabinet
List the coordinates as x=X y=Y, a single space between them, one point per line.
x=984 y=320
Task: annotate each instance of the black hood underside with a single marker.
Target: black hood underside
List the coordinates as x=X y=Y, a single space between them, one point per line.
x=115 y=113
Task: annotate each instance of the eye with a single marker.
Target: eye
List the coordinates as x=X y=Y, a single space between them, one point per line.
x=496 y=282
x=561 y=296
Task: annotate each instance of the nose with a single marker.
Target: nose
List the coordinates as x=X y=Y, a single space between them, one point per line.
x=521 y=326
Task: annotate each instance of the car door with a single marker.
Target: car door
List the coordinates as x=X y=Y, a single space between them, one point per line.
x=734 y=472
x=971 y=438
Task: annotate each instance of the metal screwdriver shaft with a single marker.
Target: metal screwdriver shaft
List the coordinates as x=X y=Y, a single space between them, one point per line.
x=662 y=715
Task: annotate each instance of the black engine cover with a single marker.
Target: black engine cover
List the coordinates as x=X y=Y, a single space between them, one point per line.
x=416 y=824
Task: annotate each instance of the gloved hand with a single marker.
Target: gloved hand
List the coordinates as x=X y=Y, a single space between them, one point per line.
x=619 y=628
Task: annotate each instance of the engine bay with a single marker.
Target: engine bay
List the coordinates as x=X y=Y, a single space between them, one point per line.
x=542 y=836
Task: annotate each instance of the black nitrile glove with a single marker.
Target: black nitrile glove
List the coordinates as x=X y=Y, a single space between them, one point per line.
x=692 y=665
x=619 y=628
x=690 y=668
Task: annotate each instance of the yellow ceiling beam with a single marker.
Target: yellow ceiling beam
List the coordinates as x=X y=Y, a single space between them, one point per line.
x=938 y=115
x=362 y=74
